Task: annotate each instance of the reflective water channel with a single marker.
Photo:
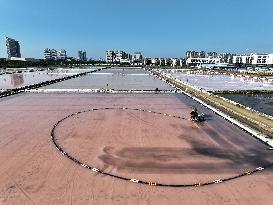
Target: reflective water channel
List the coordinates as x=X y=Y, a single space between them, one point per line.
x=260 y=102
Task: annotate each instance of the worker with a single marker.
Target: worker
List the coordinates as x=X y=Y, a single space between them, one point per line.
x=194 y=114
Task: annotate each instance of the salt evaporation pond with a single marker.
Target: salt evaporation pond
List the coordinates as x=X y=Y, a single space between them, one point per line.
x=17 y=80
x=221 y=82
x=125 y=71
x=116 y=78
x=260 y=102
x=71 y=71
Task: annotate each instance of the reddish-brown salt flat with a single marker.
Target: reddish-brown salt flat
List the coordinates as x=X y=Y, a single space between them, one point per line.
x=126 y=143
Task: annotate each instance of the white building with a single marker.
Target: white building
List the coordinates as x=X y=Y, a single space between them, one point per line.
x=165 y=61
x=182 y=61
x=226 y=57
x=200 y=61
x=47 y=53
x=110 y=56
x=147 y=61
x=50 y=54
x=162 y=62
x=137 y=56
x=155 y=61
x=125 y=61
x=262 y=59
x=24 y=59
x=243 y=59
x=259 y=60
x=175 y=62
x=120 y=56
x=195 y=54
x=212 y=55
x=270 y=60
x=62 y=54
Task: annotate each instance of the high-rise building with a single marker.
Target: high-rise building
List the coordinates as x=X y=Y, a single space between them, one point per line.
x=54 y=54
x=226 y=57
x=212 y=54
x=82 y=55
x=195 y=54
x=13 y=48
x=120 y=55
x=202 y=54
x=147 y=61
x=62 y=54
x=110 y=56
x=137 y=56
x=50 y=54
x=128 y=56
x=47 y=54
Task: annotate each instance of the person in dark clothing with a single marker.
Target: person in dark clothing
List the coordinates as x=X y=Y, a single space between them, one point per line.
x=194 y=114
x=197 y=117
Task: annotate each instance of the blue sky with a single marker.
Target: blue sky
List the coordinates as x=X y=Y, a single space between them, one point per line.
x=158 y=28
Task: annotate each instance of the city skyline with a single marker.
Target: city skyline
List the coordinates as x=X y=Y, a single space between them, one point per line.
x=164 y=29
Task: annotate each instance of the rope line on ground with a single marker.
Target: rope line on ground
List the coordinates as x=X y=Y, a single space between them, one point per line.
x=138 y=181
